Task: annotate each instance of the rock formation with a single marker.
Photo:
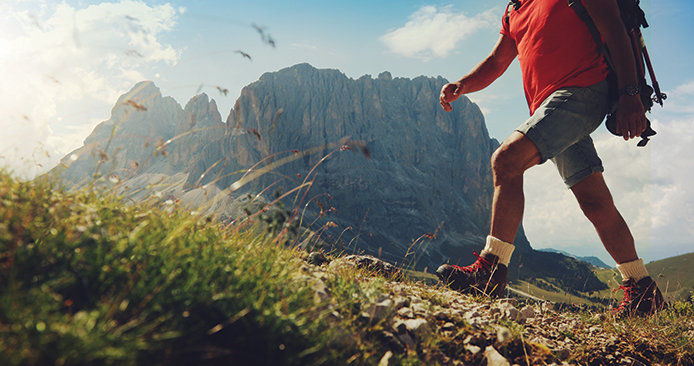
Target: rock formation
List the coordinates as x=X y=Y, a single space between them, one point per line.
x=421 y=197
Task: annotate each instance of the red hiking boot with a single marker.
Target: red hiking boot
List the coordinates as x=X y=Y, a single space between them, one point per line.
x=640 y=298
x=485 y=276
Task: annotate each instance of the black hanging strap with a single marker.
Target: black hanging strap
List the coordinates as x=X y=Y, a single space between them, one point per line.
x=582 y=13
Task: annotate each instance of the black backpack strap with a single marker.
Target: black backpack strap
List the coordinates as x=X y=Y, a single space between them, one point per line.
x=508 y=13
x=582 y=13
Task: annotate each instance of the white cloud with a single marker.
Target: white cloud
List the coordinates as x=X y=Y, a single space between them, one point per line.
x=62 y=68
x=434 y=32
x=684 y=89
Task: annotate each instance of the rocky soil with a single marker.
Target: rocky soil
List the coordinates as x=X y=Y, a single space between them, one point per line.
x=474 y=330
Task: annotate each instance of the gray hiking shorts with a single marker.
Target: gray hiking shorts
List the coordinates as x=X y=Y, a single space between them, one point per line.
x=560 y=129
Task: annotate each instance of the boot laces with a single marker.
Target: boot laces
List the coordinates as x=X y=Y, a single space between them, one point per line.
x=479 y=264
x=629 y=292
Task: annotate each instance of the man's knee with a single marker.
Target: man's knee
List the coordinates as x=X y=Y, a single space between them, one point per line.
x=597 y=210
x=504 y=165
x=513 y=158
x=594 y=198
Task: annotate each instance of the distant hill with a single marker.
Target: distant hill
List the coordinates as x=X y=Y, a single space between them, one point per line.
x=674 y=275
x=592 y=260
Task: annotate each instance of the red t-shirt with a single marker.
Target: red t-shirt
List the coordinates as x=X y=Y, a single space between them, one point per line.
x=555 y=48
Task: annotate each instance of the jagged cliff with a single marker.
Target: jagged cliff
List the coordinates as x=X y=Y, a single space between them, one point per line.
x=427 y=168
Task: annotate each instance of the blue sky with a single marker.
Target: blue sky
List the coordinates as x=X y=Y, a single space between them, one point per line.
x=63 y=64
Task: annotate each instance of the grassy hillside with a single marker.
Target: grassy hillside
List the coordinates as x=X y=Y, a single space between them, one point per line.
x=674 y=275
x=88 y=279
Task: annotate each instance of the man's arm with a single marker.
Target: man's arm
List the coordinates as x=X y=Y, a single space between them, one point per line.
x=631 y=117
x=481 y=75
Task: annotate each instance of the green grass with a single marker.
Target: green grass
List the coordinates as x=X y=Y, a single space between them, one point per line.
x=664 y=338
x=86 y=278
x=544 y=294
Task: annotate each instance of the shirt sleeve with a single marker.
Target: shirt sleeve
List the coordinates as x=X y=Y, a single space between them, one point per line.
x=504 y=25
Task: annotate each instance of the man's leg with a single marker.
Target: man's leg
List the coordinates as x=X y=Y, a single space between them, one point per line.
x=641 y=294
x=596 y=202
x=515 y=155
x=489 y=273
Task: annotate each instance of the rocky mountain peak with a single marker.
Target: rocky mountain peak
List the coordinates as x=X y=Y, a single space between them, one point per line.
x=143 y=94
x=385 y=76
x=201 y=111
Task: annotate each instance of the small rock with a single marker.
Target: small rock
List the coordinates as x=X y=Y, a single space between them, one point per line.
x=368 y=262
x=399 y=326
x=379 y=310
x=317 y=258
x=494 y=358
x=483 y=307
x=442 y=315
x=473 y=349
x=503 y=335
x=472 y=314
x=528 y=312
x=509 y=312
x=386 y=357
x=457 y=314
x=334 y=316
x=406 y=313
x=511 y=301
x=547 y=306
x=383 y=297
x=448 y=326
x=407 y=340
x=417 y=326
x=391 y=341
x=562 y=353
x=320 y=291
x=401 y=302
x=599 y=317
x=418 y=308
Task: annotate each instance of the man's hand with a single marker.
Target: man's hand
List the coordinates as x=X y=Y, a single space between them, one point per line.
x=631 y=117
x=449 y=93
x=481 y=75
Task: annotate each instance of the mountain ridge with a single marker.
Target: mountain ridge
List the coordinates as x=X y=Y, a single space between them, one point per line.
x=592 y=260
x=428 y=177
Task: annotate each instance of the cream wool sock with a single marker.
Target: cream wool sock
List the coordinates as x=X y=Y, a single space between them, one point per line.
x=634 y=269
x=498 y=248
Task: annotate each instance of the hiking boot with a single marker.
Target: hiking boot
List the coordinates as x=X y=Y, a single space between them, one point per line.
x=640 y=298
x=485 y=276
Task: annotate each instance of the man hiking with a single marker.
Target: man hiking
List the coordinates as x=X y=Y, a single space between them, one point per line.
x=564 y=77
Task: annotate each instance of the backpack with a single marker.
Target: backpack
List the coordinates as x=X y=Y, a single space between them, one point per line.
x=633 y=18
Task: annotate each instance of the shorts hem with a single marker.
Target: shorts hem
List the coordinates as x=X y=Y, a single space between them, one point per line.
x=531 y=135
x=583 y=174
